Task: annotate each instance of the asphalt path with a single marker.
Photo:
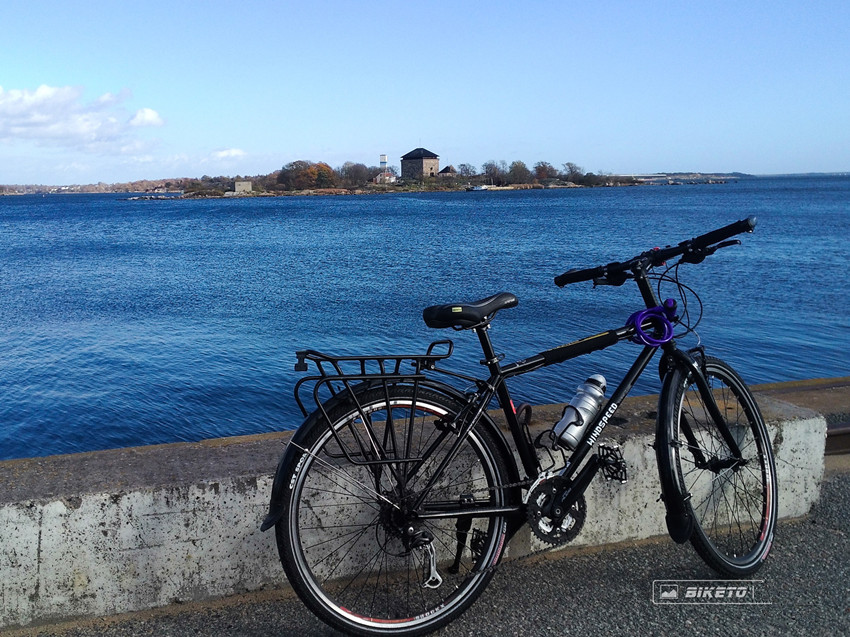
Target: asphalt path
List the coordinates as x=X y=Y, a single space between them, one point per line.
x=803 y=589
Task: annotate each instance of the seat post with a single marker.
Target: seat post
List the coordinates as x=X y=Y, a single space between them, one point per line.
x=491 y=360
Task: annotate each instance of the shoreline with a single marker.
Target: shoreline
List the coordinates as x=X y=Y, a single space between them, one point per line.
x=158 y=189
x=342 y=192
x=666 y=179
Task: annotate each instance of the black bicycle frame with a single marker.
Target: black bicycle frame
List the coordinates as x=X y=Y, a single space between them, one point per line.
x=495 y=386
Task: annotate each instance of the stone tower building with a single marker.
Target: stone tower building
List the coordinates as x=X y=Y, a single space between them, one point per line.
x=419 y=163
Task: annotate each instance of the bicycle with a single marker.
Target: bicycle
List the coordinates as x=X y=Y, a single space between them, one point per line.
x=395 y=499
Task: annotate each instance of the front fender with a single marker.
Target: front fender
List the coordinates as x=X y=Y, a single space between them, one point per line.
x=680 y=523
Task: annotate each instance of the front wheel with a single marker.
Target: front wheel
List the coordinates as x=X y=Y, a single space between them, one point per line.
x=355 y=547
x=732 y=501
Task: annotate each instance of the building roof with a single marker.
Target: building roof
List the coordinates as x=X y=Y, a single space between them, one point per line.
x=448 y=170
x=420 y=153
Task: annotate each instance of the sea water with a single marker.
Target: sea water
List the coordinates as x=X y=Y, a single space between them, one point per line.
x=129 y=322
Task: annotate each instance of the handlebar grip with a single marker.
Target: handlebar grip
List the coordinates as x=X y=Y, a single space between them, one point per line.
x=577 y=276
x=715 y=236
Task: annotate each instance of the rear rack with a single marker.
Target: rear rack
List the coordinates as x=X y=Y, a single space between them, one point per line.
x=349 y=376
x=337 y=373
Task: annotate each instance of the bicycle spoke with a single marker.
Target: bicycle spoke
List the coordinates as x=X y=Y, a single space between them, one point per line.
x=365 y=567
x=348 y=477
x=730 y=497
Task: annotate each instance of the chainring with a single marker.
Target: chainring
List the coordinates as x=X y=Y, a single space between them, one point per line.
x=542 y=512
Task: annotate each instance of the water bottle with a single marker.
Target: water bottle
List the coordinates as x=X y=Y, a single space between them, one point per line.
x=580 y=411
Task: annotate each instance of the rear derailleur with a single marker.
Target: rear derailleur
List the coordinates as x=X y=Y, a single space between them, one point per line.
x=420 y=538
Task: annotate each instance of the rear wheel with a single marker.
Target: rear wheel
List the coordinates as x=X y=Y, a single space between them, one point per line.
x=733 y=501
x=350 y=542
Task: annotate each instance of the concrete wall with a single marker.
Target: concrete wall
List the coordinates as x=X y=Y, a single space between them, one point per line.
x=117 y=531
x=106 y=553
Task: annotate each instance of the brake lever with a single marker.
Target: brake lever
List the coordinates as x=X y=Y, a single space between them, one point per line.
x=699 y=255
x=726 y=244
x=615 y=281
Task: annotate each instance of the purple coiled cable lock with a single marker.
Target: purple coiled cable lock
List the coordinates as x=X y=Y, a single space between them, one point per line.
x=661 y=317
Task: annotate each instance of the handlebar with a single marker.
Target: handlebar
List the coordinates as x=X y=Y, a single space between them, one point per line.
x=692 y=251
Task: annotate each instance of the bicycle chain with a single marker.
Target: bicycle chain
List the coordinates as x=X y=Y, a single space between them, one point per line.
x=568 y=537
x=528 y=482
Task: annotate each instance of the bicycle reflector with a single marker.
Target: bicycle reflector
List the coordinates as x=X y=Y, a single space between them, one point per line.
x=653 y=326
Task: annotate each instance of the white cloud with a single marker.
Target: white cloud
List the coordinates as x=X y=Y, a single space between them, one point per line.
x=59 y=117
x=229 y=153
x=58 y=135
x=146 y=117
x=111 y=98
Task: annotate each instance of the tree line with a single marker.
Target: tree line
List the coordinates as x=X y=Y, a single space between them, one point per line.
x=303 y=175
x=308 y=175
x=499 y=173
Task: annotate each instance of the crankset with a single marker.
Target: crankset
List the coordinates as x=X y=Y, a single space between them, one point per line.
x=548 y=518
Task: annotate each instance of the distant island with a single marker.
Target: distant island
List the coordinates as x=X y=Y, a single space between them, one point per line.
x=318 y=178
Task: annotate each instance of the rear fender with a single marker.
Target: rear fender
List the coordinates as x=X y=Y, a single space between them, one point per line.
x=277 y=503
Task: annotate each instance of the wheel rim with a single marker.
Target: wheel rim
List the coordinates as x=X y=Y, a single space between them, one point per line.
x=732 y=501
x=361 y=568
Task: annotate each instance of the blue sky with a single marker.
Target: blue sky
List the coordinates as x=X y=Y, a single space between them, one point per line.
x=113 y=91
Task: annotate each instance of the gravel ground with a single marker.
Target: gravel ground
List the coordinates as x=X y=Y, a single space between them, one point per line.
x=805 y=590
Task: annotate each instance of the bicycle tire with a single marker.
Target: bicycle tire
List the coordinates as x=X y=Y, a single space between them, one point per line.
x=356 y=574
x=734 y=508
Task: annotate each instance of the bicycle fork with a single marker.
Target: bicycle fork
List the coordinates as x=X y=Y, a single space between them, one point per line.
x=679 y=520
x=694 y=362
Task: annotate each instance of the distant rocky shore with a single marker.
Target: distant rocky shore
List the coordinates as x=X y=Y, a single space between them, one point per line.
x=382 y=190
x=170 y=189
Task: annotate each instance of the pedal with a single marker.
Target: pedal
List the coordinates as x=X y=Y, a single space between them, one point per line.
x=612 y=463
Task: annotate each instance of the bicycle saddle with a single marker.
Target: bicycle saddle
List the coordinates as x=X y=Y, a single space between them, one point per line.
x=466 y=315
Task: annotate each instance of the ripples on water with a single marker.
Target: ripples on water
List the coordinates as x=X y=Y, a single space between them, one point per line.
x=139 y=322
